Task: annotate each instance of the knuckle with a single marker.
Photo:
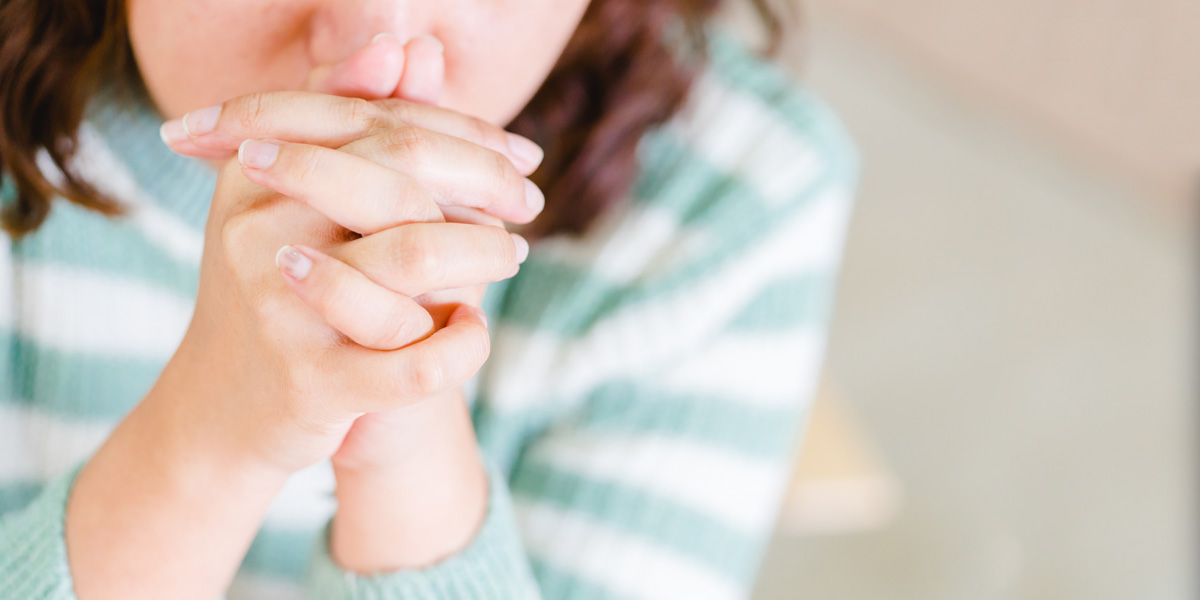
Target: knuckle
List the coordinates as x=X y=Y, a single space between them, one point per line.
x=507 y=176
x=245 y=255
x=418 y=259
x=504 y=248
x=483 y=347
x=268 y=309
x=336 y=296
x=405 y=141
x=228 y=173
x=303 y=163
x=300 y=379
x=393 y=330
x=487 y=134
x=423 y=374
x=294 y=379
x=400 y=110
x=498 y=252
x=250 y=109
x=239 y=234
x=225 y=199
x=362 y=115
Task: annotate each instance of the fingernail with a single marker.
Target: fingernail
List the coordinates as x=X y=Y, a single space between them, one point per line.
x=522 y=247
x=172 y=132
x=383 y=36
x=254 y=154
x=482 y=315
x=200 y=122
x=534 y=197
x=525 y=150
x=440 y=46
x=292 y=262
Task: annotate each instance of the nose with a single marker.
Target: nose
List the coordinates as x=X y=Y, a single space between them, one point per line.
x=339 y=27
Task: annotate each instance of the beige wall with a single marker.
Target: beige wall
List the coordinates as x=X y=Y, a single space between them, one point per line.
x=1015 y=337
x=1116 y=82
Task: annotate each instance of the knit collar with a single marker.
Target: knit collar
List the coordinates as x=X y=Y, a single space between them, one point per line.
x=128 y=124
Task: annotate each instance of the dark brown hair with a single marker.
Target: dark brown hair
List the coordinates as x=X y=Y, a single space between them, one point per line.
x=620 y=75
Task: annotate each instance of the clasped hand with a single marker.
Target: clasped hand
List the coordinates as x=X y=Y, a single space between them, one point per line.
x=384 y=215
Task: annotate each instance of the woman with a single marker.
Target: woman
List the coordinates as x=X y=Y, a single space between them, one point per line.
x=241 y=349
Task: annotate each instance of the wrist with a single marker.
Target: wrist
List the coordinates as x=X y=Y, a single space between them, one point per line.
x=155 y=514
x=418 y=508
x=389 y=524
x=394 y=443
x=194 y=446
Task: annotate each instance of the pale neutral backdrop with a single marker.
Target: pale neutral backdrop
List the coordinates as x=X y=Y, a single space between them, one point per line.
x=1114 y=81
x=1015 y=319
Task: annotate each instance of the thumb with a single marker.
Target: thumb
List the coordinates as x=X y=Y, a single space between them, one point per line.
x=425 y=71
x=386 y=68
x=371 y=73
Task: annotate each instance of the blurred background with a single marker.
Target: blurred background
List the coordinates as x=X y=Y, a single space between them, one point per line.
x=1007 y=410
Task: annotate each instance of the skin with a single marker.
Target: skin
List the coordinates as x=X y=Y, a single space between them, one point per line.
x=203 y=52
x=360 y=211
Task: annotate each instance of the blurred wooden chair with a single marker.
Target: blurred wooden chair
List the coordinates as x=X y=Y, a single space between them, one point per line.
x=840 y=484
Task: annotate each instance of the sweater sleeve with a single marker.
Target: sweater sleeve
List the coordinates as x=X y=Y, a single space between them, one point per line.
x=492 y=565
x=33 y=553
x=684 y=363
x=665 y=479
x=33 y=556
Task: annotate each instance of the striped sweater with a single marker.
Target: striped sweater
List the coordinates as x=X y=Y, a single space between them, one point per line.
x=638 y=414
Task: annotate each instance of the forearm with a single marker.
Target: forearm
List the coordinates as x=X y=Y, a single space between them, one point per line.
x=162 y=512
x=423 y=508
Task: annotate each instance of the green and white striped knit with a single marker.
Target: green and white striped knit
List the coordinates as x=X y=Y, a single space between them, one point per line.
x=639 y=412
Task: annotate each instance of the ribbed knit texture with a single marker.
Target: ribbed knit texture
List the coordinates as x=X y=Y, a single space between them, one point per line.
x=639 y=412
